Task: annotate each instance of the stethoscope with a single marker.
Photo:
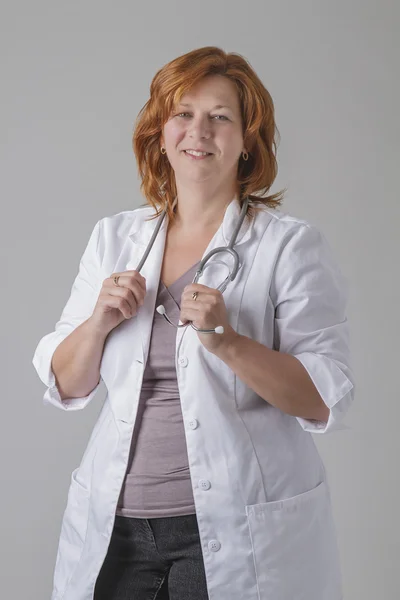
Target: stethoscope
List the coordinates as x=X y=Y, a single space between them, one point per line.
x=230 y=277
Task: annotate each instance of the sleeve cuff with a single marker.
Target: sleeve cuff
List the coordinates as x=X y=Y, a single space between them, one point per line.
x=52 y=396
x=334 y=387
x=42 y=363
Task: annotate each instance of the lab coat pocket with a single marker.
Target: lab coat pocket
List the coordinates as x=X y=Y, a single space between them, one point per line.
x=73 y=532
x=294 y=547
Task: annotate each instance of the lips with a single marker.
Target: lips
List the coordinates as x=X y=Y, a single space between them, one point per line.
x=189 y=150
x=197 y=157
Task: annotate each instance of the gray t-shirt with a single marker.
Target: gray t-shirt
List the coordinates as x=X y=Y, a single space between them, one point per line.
x=157 y=481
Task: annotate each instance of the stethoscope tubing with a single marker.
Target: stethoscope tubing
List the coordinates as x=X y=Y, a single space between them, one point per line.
x=222 y=287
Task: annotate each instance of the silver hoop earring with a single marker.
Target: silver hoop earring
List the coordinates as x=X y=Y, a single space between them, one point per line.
x=245 y=157
x=163 y=150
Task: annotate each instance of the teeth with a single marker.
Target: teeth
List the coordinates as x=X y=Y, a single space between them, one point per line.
x=196 y=153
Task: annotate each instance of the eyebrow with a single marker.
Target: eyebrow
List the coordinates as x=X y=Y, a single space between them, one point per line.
x=217 y=106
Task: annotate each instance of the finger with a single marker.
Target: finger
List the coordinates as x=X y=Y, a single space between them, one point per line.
x=202 y=298
x=119 y=303
x=190 y=311
x=194 y=316
x=131 y=275
x=126 y=281
x=194 y=305
x=204 y=293
x=134 y=297
x=198 y=287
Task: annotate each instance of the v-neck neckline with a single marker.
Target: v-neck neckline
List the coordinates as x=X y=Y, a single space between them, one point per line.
x=181 y=276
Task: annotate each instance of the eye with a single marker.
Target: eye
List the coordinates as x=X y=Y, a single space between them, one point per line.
x=217 y=117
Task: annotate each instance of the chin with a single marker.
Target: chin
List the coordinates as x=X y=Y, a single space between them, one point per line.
x=188 y=179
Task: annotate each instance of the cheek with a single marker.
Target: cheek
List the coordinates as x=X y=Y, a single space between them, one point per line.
x=231 y=143
x=173 y=132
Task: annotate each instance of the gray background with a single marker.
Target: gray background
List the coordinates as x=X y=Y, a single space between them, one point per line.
x=74 y=76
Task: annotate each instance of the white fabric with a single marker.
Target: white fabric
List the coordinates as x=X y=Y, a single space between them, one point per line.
x=265 y=517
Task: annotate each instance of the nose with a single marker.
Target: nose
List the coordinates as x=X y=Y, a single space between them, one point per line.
x=200 y=128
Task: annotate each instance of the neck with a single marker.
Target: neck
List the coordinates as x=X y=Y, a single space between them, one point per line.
x=197 y=210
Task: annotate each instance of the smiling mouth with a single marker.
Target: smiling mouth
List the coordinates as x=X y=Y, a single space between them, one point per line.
x=199 y=156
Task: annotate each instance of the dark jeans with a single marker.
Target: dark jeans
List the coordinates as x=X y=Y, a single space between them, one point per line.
x=153 y=559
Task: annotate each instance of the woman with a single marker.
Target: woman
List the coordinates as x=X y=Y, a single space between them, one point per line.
x=201 y=478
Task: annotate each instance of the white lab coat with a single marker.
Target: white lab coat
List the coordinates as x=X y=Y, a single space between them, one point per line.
x=265 y=515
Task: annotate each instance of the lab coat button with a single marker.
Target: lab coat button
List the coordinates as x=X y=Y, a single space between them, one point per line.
x=183 y=361
x=193 y=423
x=204 y=484
x=214 y=545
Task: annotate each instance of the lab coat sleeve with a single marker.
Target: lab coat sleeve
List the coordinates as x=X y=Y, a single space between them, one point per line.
x=79 y=307
x=310 y=296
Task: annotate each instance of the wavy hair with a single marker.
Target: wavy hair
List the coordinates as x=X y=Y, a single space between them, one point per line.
x=254 y=176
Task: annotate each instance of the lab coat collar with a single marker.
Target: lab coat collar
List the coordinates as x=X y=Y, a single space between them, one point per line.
x=142 y=229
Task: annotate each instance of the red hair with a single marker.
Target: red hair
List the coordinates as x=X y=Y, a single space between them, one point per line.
x=256 y=175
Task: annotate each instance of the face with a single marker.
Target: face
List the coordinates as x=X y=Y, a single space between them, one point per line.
x=208 y=118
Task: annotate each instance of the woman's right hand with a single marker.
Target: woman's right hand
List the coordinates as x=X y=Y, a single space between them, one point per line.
x=118 y=302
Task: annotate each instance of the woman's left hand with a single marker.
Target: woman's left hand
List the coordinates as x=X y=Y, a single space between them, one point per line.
x=207 y=311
